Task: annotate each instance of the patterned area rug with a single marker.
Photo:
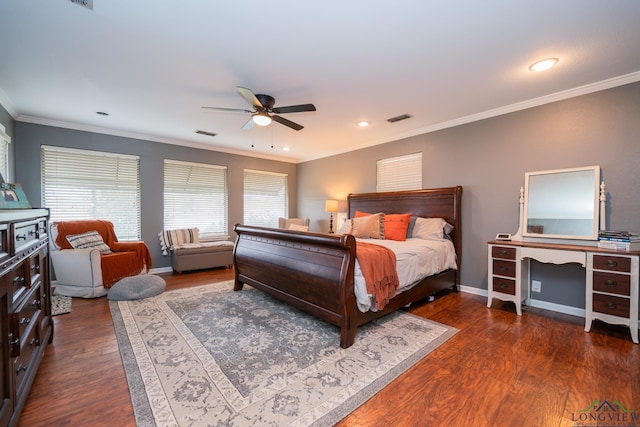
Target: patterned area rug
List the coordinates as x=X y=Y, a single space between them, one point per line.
x=60 y=305
x=208 y=356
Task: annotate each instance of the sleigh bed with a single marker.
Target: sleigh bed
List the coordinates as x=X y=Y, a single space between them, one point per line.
x=315 y=272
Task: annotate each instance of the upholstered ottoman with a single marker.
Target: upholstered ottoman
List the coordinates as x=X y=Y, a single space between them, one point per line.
x=199 y=256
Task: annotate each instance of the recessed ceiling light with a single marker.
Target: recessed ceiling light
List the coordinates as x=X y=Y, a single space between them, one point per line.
x=363 y=124
x=102 y=113
x=544 y=65
x=286 y=148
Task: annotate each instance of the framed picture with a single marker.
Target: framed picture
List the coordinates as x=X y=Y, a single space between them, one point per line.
x=12 y=197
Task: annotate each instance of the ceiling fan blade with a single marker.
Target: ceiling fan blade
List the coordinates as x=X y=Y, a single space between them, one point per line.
x=250 y=97
x=240 y=110
x=248 y=125
x=295 y=108
x=286 y=122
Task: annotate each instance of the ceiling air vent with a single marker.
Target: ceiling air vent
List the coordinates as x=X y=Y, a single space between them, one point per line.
x=84 y=3
x=204 y=132
x=398 y=118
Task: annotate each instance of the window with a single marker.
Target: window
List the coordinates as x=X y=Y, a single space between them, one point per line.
x=4 y=153
x=82 y=184
x=400 y=173
x=195 y=195
x=265 y=198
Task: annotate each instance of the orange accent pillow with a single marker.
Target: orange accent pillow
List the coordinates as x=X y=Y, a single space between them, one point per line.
x=395 y=226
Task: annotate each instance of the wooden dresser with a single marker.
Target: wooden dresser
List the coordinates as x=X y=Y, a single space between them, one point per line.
x=26 y=325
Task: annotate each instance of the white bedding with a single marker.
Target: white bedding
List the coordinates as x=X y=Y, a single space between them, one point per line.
x=415 y=259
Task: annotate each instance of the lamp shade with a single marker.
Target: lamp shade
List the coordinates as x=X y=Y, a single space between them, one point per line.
x=331 y=205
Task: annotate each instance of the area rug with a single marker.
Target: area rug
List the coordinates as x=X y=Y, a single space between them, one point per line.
x=60 y=304
x=208 y=356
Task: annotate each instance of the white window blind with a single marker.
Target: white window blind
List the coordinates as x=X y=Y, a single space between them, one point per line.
x=4 y=153
x=400 y=173
x=195 y=195
x=82 y=184
x=265 y=198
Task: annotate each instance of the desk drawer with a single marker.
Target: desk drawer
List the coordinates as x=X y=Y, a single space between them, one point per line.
x=502 y=252
x=612 y=283
x=615 y=306
x=504 y=268
x=612 y=263
x=504 y=286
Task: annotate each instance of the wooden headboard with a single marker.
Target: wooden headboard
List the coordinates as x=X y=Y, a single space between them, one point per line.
x=430 y=203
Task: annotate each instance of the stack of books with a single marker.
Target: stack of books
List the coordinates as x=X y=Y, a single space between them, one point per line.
x=619 y=240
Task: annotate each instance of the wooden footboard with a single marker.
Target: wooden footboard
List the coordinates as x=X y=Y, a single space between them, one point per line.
x=313 y=272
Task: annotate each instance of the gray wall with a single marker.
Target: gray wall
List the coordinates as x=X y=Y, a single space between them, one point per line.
x=489 y=159
x=29 y=138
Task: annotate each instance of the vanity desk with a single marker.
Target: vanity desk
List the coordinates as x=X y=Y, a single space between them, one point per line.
x=611 y=278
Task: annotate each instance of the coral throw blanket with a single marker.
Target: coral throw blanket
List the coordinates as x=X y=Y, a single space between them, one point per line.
x=127 y=258
x=378 y=266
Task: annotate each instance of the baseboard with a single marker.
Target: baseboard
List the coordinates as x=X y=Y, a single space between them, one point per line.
x=545 y=305
x=161 y=270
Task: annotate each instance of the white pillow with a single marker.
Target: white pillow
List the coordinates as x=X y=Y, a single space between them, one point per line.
x=345 y=228
x=297 y=227
x=90 y=239
x=431 y=228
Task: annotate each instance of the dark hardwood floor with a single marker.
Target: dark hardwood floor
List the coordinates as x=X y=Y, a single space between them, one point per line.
x=537 y=369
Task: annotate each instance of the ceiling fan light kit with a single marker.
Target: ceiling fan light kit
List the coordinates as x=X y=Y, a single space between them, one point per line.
x=264 y=112
x=261 y=119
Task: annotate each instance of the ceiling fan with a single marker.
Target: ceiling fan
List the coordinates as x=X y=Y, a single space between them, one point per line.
x=264 y=111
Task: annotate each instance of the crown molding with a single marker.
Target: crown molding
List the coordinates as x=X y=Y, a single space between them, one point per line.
x=147 y=137
x=512 y=108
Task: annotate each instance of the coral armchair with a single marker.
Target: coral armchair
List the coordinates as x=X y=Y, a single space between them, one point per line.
x=88 y=259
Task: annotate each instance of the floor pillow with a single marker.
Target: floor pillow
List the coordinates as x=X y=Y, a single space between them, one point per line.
x=137 y=287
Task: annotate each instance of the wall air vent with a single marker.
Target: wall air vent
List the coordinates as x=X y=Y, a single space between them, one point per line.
x=84 y=3
x=398 y=118
x=204 y=132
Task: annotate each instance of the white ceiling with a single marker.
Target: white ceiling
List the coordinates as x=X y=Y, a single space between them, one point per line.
x=152 y=64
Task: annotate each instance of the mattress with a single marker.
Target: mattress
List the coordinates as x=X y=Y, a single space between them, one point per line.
x=415 y=259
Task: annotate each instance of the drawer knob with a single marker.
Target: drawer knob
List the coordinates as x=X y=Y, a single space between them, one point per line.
x=25 y=321
x=610 y=305
x=502 y=252
x=503 y=268
x=18 y=280
x=611 y=283
x=612 y=263
x=503 y=286
x=21 y=368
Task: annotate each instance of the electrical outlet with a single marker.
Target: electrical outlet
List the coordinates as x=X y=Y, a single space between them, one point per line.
x=536 y=286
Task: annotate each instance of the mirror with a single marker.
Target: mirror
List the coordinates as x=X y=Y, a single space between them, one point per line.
x=562 y=203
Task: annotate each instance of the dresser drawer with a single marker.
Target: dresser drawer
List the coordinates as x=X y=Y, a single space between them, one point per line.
x=504 y=268
x=612 y=283
x=24 y=236
x=27 y=314
x=17 y=280
x=504 y=286
x=612 y=263
x=615 y=306
x=502 y=252
x=24 y=362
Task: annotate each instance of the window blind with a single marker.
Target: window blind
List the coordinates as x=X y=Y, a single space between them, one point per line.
x=399 y=173
x=265 y=198
x=195 y=195
x=82 y=184
x=4 y=153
